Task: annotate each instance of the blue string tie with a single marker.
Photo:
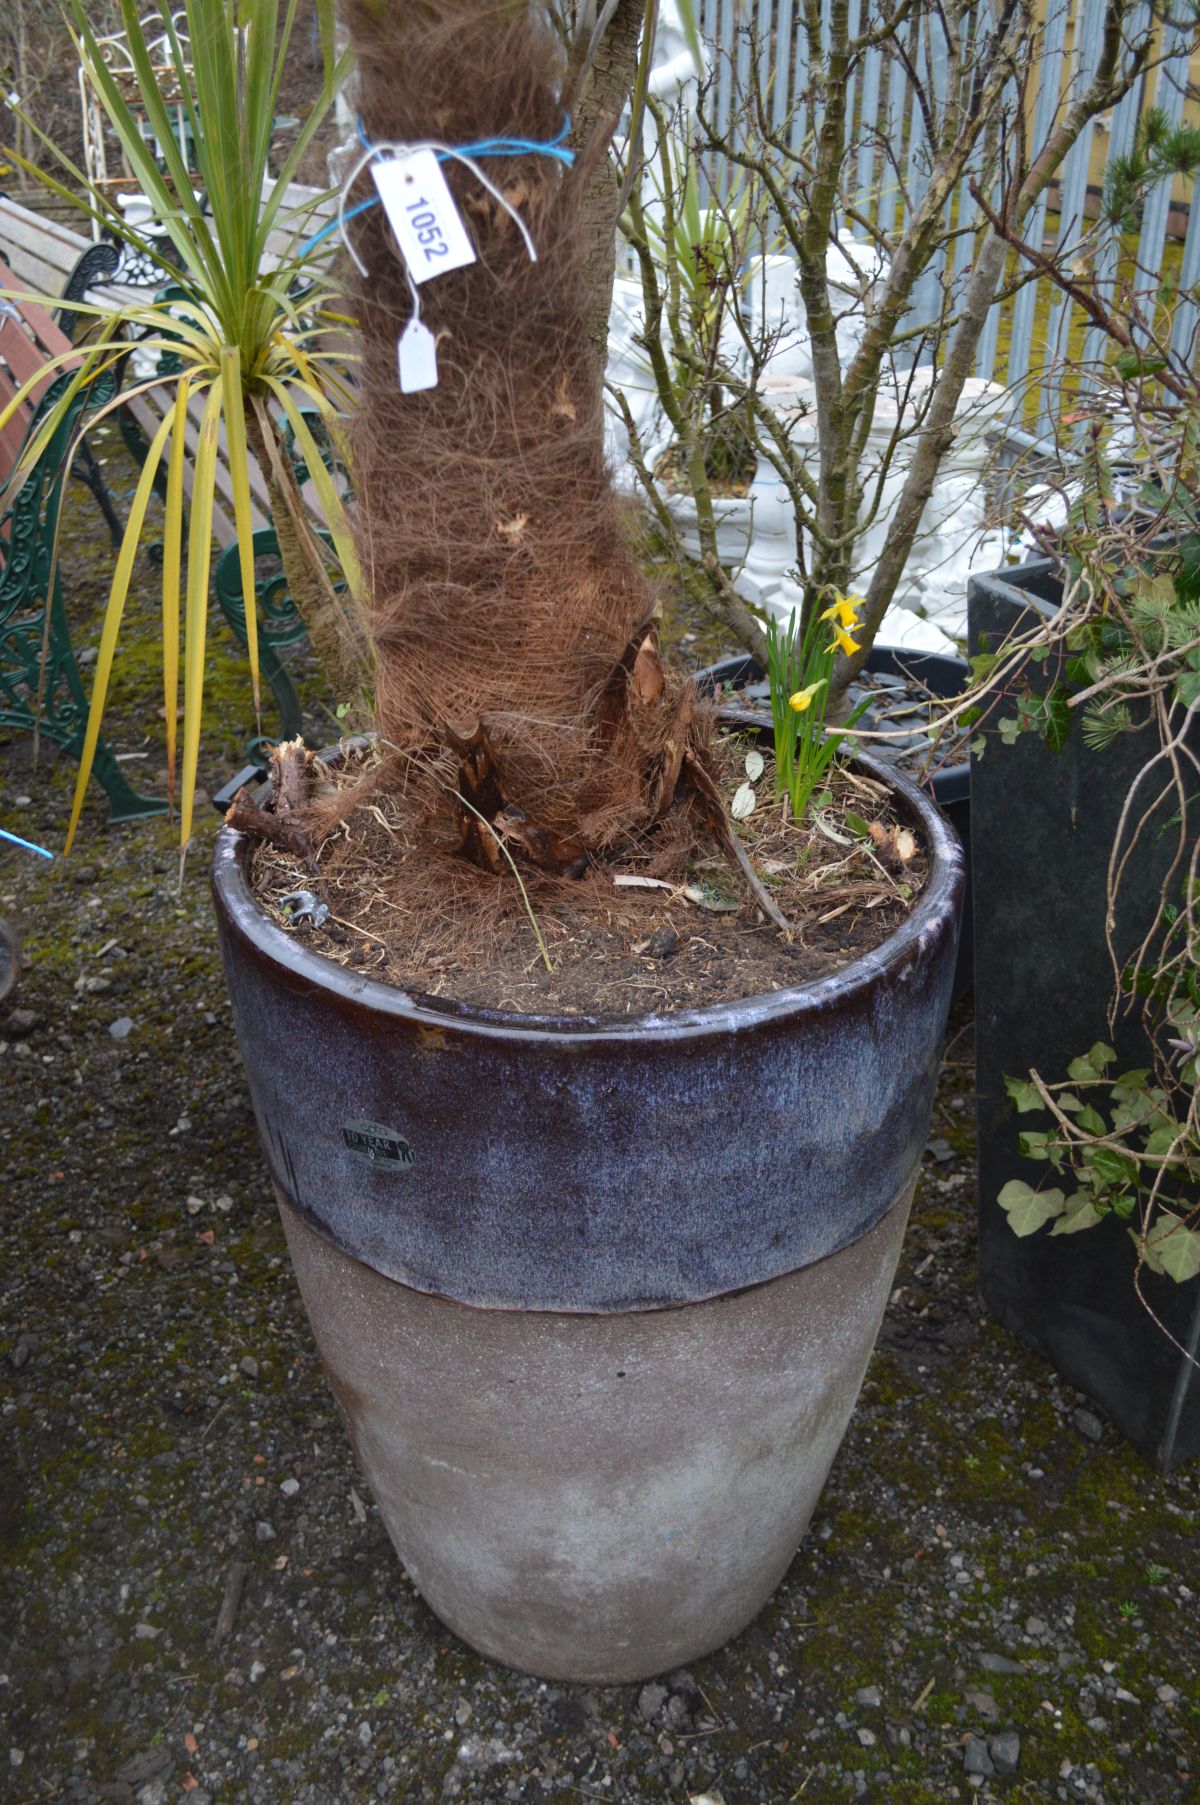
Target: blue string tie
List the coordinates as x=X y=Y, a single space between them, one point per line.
x=27 y=844
x=485 y=147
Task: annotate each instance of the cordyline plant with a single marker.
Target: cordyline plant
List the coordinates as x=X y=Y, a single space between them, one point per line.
x=243 y=344
x=239 y=343
x=963 y=124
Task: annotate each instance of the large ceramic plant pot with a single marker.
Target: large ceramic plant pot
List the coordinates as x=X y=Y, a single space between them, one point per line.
x=595 y=1296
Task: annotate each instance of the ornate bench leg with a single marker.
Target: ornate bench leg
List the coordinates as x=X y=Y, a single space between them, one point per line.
x=278 y=622
x=65 y=719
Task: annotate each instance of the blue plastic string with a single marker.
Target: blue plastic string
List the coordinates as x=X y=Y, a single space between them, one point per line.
x=486 y=147
x=27 y=844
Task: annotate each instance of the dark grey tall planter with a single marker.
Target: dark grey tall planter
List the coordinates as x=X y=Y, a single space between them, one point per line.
x=1042 y=826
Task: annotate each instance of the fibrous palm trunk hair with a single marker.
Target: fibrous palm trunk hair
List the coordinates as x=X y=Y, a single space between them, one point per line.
x=511 y=621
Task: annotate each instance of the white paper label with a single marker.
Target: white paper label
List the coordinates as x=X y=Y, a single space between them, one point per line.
x=423 y=216
x=417 y=357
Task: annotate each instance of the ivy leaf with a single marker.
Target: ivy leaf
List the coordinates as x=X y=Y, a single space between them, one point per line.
x=1187 y=689
x=1134 y=1114
x=1161 y=1140
x=1177 y=1248
x=1069 y=1103
x=1058 y=719
x=1090 y=1065
x=1025 y=1096
x=1009 y=729
x=1133 y=1083
x=1091 y=1121
x=1028 y=1209
x=1113 y=1167
x=983 y=664
x=858 y=827
x=1146 y=1251
x=1080 y=1212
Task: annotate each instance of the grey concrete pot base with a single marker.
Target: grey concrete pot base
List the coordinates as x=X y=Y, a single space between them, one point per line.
x=598 y=1498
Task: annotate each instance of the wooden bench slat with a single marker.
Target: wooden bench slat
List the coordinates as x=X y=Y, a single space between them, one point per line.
x=50 y=337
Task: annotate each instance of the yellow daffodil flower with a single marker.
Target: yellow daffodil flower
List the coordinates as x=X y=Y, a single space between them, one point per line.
x=803 y=697
x=843 y=640
x=846 y=610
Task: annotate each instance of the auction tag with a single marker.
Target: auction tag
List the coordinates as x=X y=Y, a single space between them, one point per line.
x=416 y=353
x=422 y=213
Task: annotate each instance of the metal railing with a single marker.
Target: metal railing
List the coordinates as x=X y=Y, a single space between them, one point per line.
x=1025 y=337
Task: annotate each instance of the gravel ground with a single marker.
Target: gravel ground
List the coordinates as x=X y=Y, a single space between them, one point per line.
x=996 y=1598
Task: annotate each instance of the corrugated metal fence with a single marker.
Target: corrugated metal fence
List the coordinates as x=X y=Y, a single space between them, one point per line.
x=1024 y=336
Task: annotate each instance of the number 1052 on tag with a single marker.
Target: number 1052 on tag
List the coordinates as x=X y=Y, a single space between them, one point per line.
x=422 y=214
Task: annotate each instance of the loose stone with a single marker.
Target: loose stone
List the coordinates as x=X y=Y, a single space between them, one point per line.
x=1088 y=1424
x=651 y=1700
x=1005 y=1750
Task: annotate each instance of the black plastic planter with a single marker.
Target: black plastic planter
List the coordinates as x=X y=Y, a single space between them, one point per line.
x=1042 y=830
x=950 y=787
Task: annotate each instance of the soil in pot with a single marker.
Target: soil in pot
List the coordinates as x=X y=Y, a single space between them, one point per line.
x=902 y=687
x=667 y=923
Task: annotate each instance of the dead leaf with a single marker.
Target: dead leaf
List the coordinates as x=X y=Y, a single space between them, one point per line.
x=647 y=677
x=743 y=802
x=632 y=881
x=564 y=408
x=894 y=845
x=208 y=1236
x=513 y=530
x=189 y=1783
x=190 y=1743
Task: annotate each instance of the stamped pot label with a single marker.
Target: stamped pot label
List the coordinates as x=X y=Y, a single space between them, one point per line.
x=378 y=1146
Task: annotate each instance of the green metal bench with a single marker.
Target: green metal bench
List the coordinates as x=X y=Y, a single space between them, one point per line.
x=279 y=622
x=41 y=690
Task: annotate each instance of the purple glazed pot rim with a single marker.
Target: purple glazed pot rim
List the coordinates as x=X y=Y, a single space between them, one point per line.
x=934 y=917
